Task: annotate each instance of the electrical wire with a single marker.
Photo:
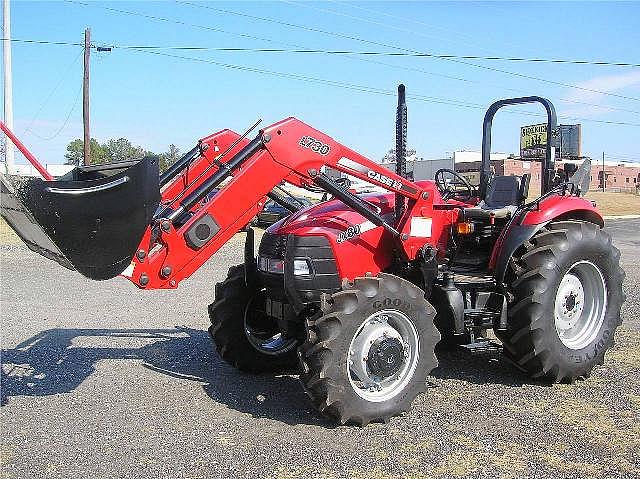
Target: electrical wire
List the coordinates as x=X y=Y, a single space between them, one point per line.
x=66 y=120
x=262 y=50
x=332 y=52
x=624 y=158
x=361 y=88
x=411 y=20
x=41 y=42
x=521 y=75
x=173 y=20
x=52 y=92
x=372 y=53
x=164 y=19
x=405 y=53
x=397 y=54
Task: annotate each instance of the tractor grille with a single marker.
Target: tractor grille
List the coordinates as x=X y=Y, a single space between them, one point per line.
x=300 y=290
x=324 y=277
x=273 y=246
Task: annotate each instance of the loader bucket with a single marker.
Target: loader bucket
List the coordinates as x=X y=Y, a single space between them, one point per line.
x=91 y=219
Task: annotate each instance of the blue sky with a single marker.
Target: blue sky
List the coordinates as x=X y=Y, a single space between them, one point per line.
x=155 y=100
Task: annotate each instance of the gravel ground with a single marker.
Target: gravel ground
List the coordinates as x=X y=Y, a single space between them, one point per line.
x=103 y=380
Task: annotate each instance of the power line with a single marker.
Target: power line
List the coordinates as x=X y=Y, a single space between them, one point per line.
x=406 y=52
x=450 y=56
x=374 y=53
x=405 y=19
x=345 y=52
x=357 y=87
x=172 y=20
x=164 y=19
x=52 y=92
x=623 y=158
x=334 y=52
x=394 y=54
x=521 y=75
x=40 y=42
x=309 y=51
x=66 y=120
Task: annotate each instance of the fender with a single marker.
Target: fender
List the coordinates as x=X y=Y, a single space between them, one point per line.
x=563 y=207
x=528 y=223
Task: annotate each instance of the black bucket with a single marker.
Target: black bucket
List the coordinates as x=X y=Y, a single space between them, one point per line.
x=91 y=219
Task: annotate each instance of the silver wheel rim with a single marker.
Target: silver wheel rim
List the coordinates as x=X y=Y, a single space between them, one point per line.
x=580 y=305
x=272 y=345
x=390 y=325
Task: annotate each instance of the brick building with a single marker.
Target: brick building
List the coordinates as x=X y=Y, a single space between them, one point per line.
x=619 y=176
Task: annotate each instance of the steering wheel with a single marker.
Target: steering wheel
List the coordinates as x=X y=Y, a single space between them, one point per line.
x=451 y=184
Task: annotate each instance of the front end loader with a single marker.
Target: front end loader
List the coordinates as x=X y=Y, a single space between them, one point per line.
x=358 y=290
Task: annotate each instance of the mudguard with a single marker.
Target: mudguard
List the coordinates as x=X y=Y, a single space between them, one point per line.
x=525 y=225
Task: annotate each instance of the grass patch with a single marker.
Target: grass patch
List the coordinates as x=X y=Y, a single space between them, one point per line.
x=608 y=202
x=615 y=203
x=626 y=355
x=7 y=236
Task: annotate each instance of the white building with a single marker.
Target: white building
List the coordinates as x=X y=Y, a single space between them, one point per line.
x=54 y=169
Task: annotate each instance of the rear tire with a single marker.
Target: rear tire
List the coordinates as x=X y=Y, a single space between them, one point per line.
x=385 y=321
x=567 y=288
x=235 y=317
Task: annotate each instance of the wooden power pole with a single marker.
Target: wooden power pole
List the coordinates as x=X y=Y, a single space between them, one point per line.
x=604 y=175
x=85 y=97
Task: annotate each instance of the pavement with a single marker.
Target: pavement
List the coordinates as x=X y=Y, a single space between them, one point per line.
x=100 y=379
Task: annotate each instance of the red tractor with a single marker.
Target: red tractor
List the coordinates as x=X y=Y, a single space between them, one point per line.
x=358 y=289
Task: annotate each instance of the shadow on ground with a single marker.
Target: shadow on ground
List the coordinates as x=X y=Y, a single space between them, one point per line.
x=57 y=361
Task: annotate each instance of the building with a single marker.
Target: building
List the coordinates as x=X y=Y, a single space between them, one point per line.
x=420 y=169
x=618 y=176
x=469 y=163
x=55 y=170
x=623 y=177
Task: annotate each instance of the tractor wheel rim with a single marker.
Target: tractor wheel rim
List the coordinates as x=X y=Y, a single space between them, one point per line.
x=265 y=341
x=383 y=355
x=580 y=305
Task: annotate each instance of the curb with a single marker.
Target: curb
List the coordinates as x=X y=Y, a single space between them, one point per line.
x=621 y=217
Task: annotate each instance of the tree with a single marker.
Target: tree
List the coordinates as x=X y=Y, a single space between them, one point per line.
x=122 y=150
x=390 y=156
x=169 y=157
x=75 y=152
x=113 y=150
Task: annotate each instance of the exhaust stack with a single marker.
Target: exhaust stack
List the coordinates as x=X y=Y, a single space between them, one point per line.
x=401 y=148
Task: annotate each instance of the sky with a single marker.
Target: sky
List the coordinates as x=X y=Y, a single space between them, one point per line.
x=163 y=96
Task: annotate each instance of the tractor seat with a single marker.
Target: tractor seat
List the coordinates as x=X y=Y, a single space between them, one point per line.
x=504 y=195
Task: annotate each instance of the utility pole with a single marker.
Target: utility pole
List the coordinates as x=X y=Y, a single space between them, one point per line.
x=8 y=93
x=85 y=97
x=604 y=175
x=560 y=133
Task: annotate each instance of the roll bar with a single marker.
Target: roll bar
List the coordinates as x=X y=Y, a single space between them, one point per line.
x=548 y=167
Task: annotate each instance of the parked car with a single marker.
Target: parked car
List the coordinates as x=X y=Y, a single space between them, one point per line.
x=273 y=212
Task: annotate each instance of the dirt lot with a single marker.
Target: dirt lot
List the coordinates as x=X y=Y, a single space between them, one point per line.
x=102 y=380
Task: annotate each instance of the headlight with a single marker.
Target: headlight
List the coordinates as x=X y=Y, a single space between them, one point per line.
x=270 y=265
x=301 y=267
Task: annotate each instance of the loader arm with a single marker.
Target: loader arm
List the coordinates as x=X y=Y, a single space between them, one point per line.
x=186 y=232
x=191 y=170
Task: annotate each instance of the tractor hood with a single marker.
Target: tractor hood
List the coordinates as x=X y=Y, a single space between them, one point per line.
x=336 y=216
x=332 y=215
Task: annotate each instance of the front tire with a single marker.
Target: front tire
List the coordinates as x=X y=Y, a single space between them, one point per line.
x=244 y=336
x=368 y=353
x=567 y=289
